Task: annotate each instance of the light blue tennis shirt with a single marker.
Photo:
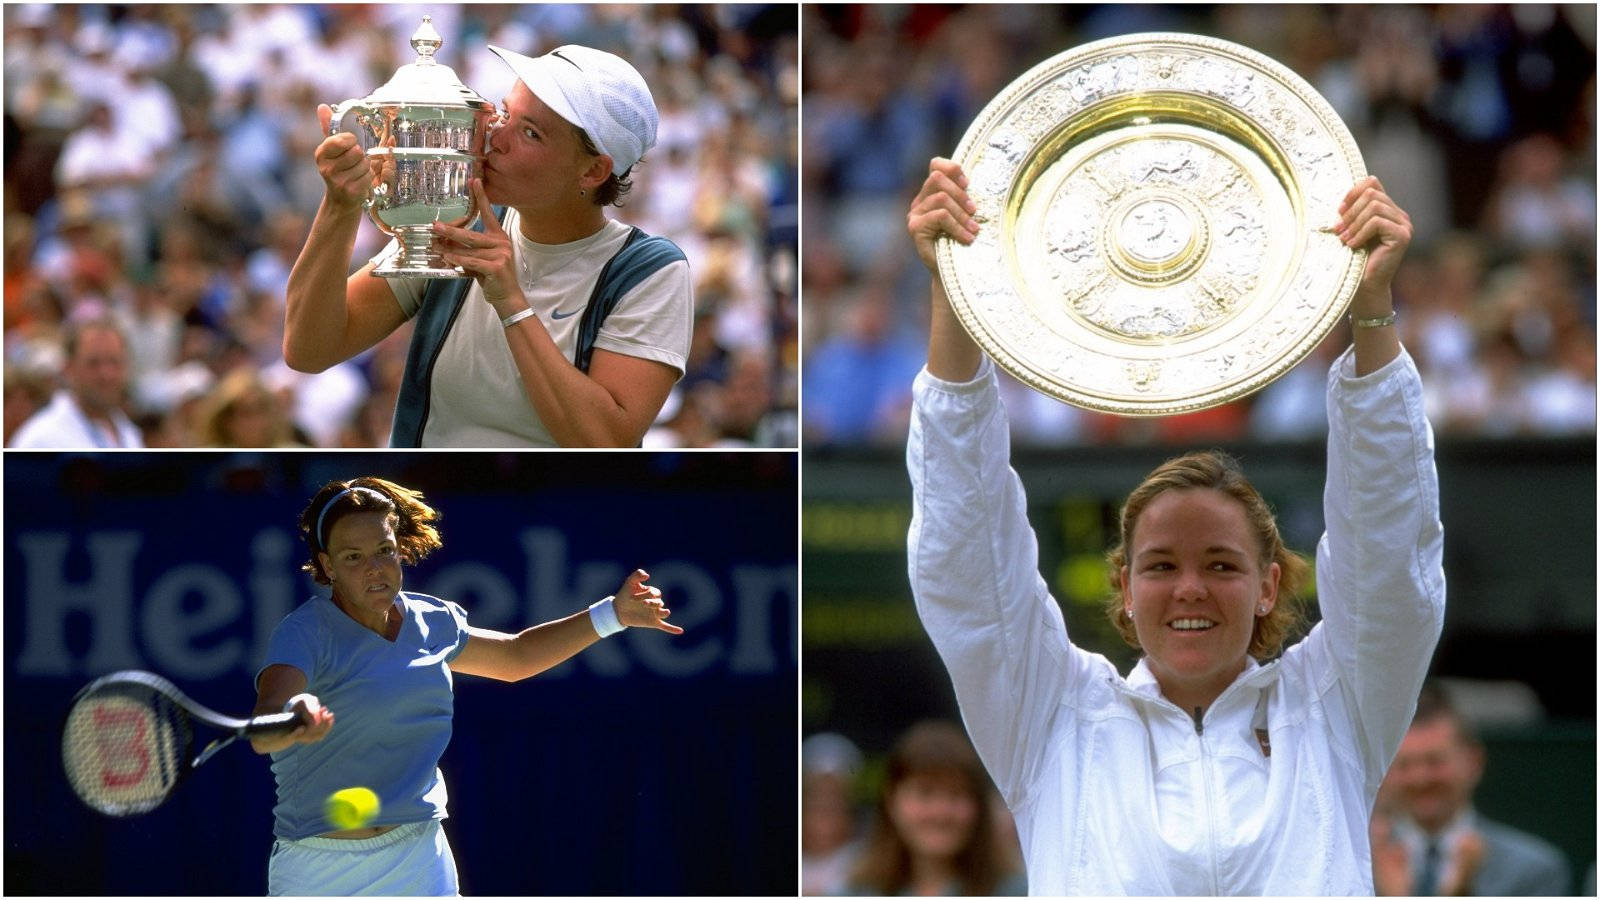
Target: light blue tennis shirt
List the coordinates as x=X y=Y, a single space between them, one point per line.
x=392 y=705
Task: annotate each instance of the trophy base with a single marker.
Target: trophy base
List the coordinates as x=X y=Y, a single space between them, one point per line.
x=393 y=271
x=417 y=257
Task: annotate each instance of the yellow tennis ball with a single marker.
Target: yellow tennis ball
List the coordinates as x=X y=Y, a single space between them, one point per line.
x=352 y=807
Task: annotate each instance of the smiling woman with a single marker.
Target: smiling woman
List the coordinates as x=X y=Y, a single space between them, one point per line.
x=1204 y=769
x=383 y=659
x=1210 y=581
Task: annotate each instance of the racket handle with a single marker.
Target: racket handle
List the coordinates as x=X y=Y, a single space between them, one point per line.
x=273 y=724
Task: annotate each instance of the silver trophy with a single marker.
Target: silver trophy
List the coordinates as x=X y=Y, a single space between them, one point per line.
x=424 y=133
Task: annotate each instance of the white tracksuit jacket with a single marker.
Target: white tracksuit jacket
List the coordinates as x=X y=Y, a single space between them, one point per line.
x=1114 y=789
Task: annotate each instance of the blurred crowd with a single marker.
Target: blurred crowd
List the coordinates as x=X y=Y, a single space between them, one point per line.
x=158 y=175
x=1478 y=119
x=936 y=828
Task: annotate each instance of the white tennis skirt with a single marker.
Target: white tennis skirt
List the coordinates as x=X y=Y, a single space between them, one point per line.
x=412 y=860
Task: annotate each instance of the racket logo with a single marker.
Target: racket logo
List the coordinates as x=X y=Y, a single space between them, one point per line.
x=122 y=738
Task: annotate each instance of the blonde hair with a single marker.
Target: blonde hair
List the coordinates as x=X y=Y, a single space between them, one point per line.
x=240 y=384
x=1215 y=470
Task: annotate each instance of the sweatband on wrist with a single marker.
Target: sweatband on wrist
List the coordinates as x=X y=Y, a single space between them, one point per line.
x=516 y=317
x=603 y=616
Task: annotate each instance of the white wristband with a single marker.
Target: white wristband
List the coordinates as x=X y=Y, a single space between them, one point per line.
x=516 y=317
x=603 y=616
x=289 y=706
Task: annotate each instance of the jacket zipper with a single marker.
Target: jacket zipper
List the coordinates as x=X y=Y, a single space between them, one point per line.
x=1205 y=790
x=1205 y=756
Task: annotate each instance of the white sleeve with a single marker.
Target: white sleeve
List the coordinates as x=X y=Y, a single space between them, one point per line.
x=974 y=569
x=1380 y=573
x=655 y=319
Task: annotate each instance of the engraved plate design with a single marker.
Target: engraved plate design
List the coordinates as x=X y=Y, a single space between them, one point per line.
x=1154 y=213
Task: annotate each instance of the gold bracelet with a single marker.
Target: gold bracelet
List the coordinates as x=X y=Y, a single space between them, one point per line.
x=1379 y=322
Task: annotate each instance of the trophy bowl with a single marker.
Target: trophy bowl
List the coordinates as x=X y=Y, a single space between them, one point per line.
x=1157 y=218
x=425 y=135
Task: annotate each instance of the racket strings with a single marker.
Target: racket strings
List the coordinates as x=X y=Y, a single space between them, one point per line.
x=124 y=748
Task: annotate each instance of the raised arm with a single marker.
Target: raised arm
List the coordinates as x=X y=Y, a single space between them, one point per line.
x=1369 y=218
x=942 y=207
x=513 y=657
x=330 y=317
x=1380 y=577
x=972 y=556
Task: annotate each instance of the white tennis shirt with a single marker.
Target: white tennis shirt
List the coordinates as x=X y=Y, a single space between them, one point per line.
x=476 y=396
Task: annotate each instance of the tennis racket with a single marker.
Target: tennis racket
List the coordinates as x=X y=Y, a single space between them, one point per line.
x=128 y=737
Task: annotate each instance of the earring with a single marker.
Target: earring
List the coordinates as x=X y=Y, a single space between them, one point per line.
x=1128 y=613
x=583 y=192
x=1261 y=610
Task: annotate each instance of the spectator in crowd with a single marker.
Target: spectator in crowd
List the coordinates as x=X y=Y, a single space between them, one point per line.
x=26 y=392
x=267 y=267
x=743 y=401
x=107 y=160
x=1540 y=200
x=690 y=418
x=87 y=413
x=935 y=832
x=855 y=378
x=21 y=279
x=1428 y=841
x=241 y=412
x=829 y=832
x=155 y=171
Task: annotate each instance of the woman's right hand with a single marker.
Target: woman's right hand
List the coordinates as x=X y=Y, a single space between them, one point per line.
x=345 y=172
x=941 y=207
x=316 y=720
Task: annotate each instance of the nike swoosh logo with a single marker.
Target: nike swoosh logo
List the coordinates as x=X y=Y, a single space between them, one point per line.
x=558 y=314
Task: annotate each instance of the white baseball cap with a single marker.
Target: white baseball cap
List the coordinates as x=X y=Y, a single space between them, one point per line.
x=596 y=91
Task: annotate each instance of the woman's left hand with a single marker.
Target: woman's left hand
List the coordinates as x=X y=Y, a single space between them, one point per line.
x=485 y=255
x=1369 y=218
x=640 y=606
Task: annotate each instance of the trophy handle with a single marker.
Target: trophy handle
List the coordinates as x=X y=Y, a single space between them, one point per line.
x=339 y=112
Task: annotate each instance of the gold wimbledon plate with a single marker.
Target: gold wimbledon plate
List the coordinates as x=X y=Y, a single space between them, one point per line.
x=1157 y=215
